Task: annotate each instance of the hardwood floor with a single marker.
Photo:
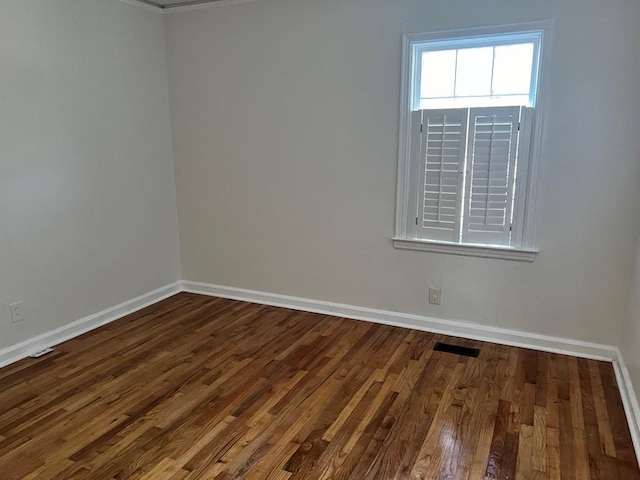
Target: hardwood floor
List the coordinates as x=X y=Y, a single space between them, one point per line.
x=197 y=387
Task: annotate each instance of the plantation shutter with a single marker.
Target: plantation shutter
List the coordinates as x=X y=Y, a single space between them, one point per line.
x=491 y=164
x=442 y=144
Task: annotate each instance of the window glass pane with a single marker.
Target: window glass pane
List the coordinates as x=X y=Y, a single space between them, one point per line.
x=438 y=74
x=473 y=77
x=512 y=70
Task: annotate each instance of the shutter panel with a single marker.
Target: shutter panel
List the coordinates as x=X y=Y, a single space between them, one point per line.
x=442 y=151
x=492 y=150
x=522 y=175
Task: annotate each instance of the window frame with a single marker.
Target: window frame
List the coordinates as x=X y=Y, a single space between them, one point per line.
x=524 y=247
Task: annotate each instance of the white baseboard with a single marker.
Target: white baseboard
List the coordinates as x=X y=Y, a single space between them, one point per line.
x=629 y=399
x=456 y=328
x=86 y=324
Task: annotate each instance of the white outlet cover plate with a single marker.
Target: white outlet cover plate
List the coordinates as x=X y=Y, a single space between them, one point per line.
x=17 y=312
x=435 y=295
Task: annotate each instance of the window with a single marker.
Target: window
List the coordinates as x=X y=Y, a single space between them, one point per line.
x=471 y=115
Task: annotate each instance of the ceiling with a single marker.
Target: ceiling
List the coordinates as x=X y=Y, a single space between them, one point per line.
x=168 y=4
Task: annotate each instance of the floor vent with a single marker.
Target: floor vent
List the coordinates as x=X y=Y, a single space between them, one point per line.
x=447 y=347
x=41 y=353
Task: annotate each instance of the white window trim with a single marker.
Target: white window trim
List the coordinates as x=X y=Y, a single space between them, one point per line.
x=467 y=249
x=526 y=249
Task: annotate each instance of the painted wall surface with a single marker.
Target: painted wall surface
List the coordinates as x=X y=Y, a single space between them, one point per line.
x=87 y=194
x=285 y=130
x=630 y=344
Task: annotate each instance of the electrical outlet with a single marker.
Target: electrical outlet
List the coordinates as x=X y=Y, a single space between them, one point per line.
x=434 y=296
x=17 y=313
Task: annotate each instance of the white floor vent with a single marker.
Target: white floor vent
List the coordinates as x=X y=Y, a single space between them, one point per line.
x=41 y=353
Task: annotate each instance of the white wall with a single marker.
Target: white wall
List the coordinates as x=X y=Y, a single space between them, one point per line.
x=285 y=129
x=87 y=197
x=630 y=344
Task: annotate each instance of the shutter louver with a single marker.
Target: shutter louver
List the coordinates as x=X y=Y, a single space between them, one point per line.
x=442 y=152
x=492 y=149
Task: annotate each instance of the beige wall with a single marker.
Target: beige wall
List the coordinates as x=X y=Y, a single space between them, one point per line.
x=285 y=130
x=285 y=123
x=630 y=345
x=87 y=197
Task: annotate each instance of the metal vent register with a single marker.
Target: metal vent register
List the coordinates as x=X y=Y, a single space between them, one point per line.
x=458 y=350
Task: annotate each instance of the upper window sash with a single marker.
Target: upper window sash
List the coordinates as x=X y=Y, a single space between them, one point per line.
x=418 y=47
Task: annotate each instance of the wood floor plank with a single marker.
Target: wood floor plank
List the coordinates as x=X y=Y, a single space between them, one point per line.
x=195 y=387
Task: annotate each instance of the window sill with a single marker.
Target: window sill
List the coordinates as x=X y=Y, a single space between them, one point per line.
x=467 y=250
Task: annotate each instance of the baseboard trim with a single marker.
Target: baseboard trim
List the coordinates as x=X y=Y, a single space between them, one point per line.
x=515 y=338
x=86 y=324
x=629 y=399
